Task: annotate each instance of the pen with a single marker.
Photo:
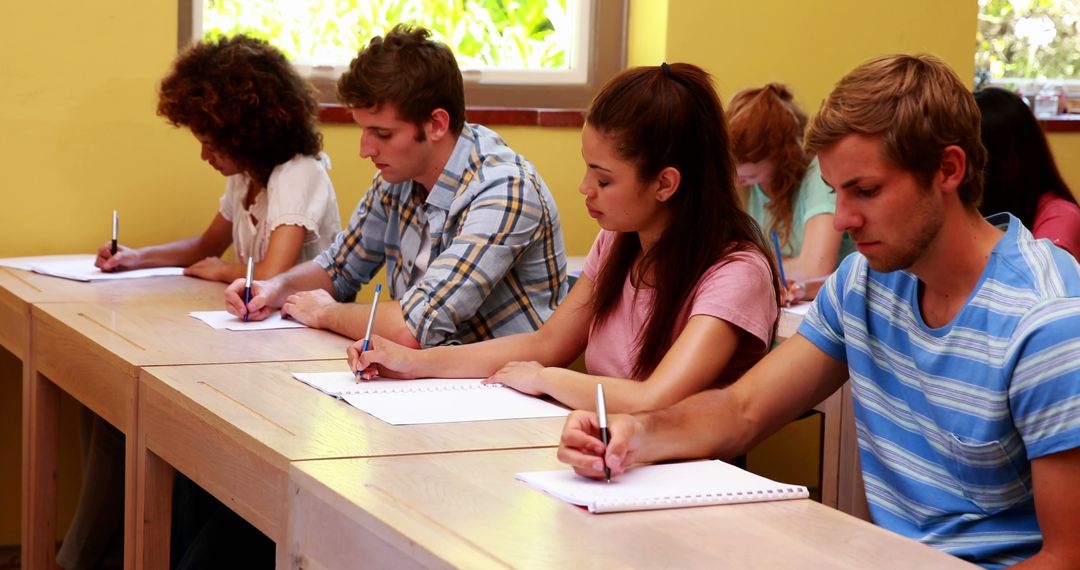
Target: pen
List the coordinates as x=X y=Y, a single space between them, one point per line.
x=779 y=257
x=370 y=322
x=247 y=286
x=115 y=227
x=601 y=412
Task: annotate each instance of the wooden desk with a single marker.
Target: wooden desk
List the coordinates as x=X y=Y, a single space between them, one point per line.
x=94 y=351
x=466 y=510
x=19 y=291
x=235 y=428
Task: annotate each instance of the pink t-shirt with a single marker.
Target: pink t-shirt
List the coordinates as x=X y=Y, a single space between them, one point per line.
x=1058 y=220
x=738 y=290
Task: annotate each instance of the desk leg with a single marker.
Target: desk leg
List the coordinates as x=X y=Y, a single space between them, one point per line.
x=40 y=451
x=154 y=520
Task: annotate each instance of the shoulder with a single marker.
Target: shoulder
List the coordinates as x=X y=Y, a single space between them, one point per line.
x=301 y=172
x=1035 y=267
x=493 y=158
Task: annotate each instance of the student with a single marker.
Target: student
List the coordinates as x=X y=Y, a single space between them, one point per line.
x=468 y=231
x=786 y=193
x=255 y=118
x=677 y=293
x=959 y=339
x=1021 y=176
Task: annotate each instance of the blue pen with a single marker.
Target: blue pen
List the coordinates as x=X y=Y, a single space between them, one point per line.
x=370 y=322
x=247 y=287
x=779 y=257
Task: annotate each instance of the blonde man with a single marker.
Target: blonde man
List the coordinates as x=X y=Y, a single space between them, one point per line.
x=959 y=337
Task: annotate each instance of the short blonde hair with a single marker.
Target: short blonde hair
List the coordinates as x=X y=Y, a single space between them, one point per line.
x=918 y=106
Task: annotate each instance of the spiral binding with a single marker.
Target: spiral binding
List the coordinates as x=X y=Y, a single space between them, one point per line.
x=414 y=390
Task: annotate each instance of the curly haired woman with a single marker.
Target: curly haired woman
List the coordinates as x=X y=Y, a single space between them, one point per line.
x=255 y=119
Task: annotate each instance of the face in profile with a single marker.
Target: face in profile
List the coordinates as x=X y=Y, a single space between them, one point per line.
x=391 y=143
x=614 y=194
x=892 y=218
x=216 y=158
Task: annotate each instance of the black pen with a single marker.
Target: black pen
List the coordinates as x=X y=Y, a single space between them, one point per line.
x=115 y=227
x=247 y=286
x=601 y=412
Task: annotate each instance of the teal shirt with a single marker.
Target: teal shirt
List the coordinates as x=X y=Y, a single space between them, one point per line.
x=813 y=198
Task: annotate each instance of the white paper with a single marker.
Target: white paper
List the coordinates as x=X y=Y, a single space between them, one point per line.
x=667 y=486
x=431 y=400
x=801 y=309
x=223 y=320
x=81 y=268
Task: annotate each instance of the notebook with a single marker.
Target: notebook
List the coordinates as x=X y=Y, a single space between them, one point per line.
x=669 y=486
x=225 y=320
x=431 y=400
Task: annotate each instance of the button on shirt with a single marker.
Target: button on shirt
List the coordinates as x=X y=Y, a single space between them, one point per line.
x=497 y=262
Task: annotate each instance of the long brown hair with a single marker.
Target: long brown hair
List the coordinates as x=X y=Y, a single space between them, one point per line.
x=670 y=116
x=766 y=124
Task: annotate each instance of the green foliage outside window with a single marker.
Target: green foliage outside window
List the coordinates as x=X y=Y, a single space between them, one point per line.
x=484 y=34
x=1028 y=39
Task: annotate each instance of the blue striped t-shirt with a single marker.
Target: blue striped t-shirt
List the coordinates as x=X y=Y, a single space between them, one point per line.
x=950 y=418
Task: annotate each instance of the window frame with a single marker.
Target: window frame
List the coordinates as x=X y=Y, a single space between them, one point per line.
x=607 y=56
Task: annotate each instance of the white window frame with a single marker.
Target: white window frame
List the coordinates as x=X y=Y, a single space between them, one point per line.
x=598 y=52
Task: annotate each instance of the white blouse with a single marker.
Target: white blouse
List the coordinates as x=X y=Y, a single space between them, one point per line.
x=299 y=193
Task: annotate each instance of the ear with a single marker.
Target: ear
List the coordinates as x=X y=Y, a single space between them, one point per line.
x=438 y=125
x=953 y=168
x=667 y=182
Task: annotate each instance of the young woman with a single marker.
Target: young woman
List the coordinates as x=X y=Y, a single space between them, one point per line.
x=255 y=119
x=1021 y=176
x=786 y=193
x=677 y=293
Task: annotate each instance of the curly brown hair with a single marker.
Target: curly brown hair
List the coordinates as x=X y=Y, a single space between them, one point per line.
x=243 y=95
x=766 y=124
x=409 y=70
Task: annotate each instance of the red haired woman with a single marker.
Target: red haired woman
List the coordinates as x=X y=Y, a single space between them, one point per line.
x=786 y=193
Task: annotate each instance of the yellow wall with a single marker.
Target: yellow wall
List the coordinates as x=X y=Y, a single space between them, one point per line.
x=1066 y=149
x=79 y=134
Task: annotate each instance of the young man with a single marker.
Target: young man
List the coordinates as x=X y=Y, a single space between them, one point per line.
x=468 y=231
x=961 y=340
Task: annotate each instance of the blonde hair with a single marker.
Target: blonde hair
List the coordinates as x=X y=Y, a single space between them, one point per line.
x=766 y=124
x=918 y=106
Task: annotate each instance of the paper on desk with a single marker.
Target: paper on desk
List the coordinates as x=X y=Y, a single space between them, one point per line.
x=224 y=320
x=800 y=309
x=431 y=400
x=81 y=268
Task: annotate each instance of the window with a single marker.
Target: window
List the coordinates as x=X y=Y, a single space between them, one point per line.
x=513 y=53
x=1028 y=45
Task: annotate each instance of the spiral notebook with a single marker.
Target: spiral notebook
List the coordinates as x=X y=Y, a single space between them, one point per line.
x=431 y=400
x=669 y=486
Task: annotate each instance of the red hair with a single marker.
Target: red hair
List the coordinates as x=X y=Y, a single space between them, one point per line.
x=766 y=124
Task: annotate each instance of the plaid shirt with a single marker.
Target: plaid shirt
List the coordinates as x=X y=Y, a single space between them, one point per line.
x=498 y=264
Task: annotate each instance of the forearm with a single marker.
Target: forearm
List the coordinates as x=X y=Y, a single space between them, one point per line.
x=480 y=360
x=307 y=276
x=708 y=424
x=180 y=253
x=578 y=391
